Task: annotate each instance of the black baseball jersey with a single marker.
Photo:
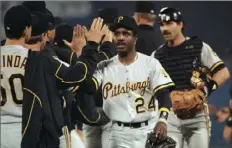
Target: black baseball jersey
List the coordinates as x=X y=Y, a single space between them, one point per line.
x=181 y=61
x=148 y=40
x=45 y=76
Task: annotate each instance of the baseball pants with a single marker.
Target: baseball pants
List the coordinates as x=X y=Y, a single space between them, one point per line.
x=127 y=137
x=190 y=133
x=11 y=135
x=94 y=137
x=71 y=140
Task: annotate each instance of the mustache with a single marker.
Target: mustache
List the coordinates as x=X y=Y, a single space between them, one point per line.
x=165 y=32
x=121 y=43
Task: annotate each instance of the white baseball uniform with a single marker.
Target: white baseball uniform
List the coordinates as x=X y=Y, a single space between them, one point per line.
x=13 y=61
x=127 y=93
x=195 y=132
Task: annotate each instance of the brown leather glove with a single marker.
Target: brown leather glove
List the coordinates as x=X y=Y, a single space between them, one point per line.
x=187 y=104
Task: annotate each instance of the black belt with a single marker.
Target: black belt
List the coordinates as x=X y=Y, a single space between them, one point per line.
x=132 y=125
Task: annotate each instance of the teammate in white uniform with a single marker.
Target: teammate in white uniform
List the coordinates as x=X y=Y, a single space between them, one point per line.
x=13 y=60
x=129 y=80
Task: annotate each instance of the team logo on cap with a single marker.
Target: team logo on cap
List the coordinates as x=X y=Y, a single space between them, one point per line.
x=164 y=17
x=120 y=18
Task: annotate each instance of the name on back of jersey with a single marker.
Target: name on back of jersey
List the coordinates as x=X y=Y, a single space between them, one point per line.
x=13 y=61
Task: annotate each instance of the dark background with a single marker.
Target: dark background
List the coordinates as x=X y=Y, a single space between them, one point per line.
x=211 y=21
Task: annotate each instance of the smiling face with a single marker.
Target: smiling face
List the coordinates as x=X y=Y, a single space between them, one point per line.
x=124 y=40
x=171 y=30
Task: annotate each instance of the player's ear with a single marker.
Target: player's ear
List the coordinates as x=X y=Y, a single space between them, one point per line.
x=136 y=37
x=45 y=36
x=25 y=32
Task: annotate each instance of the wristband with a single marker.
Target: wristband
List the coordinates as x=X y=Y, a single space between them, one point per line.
x=229 y=121
x=163 y=120
x=164 y=113
x=211 y=86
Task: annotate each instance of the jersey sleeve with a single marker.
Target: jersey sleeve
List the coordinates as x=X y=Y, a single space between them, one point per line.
x=98 y=74
x=159 y=77
x=92 y=83
x=210 y=59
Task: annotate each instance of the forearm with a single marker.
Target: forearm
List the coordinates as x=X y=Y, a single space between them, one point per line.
x=78 y=73
x=91 y=83
x=227 y=133
x=221 y=76
x=66 y=55
x=164 y=100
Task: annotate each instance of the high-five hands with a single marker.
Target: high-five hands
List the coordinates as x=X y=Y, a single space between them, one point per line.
x=96 y=30
x=108 y=35
x=78 y=39
x=96 y=33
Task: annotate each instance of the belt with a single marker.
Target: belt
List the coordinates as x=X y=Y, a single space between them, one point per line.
x=133 y=125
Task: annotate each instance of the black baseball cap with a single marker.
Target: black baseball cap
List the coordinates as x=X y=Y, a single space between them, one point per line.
x=16 y=19
x=63 y=32
x=51 y=19
x=40 y=6
x=108 y=14
x=124 y=22
x=39 y=23
x=145 y=7
x=58 y=21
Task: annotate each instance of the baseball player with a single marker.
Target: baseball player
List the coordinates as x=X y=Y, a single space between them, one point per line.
x=83 y=108
x=129 y=93
x=41 y=6
x=148 y=38
x=92 y=134
x=13 y=60
x=42 y=107
x=227 y=132
x=197 y=71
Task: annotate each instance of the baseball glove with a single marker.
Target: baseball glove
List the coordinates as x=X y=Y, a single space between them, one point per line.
x=187 y=104
x=152 y=142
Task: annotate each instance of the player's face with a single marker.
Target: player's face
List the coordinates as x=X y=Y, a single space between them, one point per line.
x=124 y=40
x=170 y=30
x=44 y=40
x=51 y=34
x=27 y=34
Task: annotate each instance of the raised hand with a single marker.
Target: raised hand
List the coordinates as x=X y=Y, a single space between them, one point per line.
x=78 y=40
x=108 y=35
x=95 y=32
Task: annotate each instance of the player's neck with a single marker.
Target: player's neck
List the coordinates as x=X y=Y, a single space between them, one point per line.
x=34 y=47
x=20 y=41
x=130 y=58
x=179 y=40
